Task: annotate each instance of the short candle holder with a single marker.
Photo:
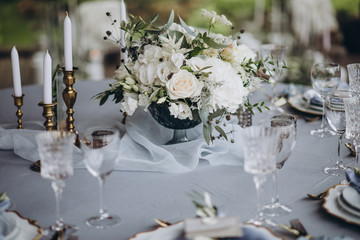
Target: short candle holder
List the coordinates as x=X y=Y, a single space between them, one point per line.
x=69 y=97
x=48 y=114
x=49 y=124
x=18 y=101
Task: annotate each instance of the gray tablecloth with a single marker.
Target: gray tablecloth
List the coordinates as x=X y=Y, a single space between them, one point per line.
x=139 y=196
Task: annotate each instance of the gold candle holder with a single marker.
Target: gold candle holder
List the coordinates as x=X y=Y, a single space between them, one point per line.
x=18 y=101
x=69 y=97
x=48 y=114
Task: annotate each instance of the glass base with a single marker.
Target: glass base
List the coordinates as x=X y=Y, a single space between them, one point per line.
x=179 y=136
x=337 y=170
x=276 y=209
x=103 y=222
x=322 y=132
x=59 y=230
x=262 y=222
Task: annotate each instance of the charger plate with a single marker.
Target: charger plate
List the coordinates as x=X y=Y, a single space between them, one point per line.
x=332 y=206
x=176 y=232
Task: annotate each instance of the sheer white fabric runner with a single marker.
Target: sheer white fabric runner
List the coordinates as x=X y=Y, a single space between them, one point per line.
x=142 y=147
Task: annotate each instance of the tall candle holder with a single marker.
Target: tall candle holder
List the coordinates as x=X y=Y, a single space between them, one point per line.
x=48 y=114
x=18 y=101
x=69 y=97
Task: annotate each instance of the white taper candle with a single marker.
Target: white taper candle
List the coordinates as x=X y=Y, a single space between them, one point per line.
x=47 y=73
x=16 y=72
x=68 y=44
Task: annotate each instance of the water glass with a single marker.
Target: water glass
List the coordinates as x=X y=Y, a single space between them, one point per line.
x=100 y=149
x=336 y=117
x=274 y=53
x=55 y=150
x=354 y=76
x=260 y=143
x=352 y=112
x=325 y=78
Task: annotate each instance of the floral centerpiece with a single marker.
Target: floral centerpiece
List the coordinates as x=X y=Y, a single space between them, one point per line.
x=197 y=75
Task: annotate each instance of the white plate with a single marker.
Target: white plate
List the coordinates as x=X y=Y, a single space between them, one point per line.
x=331 y=205
x=300 y=104
x=8 y=226
x=346 y=207
x=175 y=232
x=22 y=228
x=352 y=197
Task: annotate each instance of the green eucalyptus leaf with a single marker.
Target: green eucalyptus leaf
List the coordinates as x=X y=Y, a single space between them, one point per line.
x=171 y=20
x=186 y=27
x=213 y=44
x=204 y=115
x=207 y=129
x=221 y=131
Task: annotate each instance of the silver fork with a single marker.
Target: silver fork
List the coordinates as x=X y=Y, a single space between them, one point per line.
x=296 y=224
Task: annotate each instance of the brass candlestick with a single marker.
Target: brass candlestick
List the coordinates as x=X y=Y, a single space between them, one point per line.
x=69 y=96
x=18 y=101
x=48 y=114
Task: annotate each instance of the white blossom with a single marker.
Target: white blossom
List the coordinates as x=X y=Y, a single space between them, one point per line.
x=213 y=16
x=180 y=110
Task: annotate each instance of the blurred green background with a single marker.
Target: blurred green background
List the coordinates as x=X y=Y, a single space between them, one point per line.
x=36 y=25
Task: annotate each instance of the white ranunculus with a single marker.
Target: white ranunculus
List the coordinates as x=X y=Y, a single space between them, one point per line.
x=163 y=71
x=178 y=59
x=183 y=84
x=196 y=63
x=180 y=110
x=153 y=54
x=129 y=105
x=147 y=74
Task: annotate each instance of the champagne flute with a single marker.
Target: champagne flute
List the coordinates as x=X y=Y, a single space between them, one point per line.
x=276 y=54
x=336 y=117
x=352 y=112
x=325 y=78
x=286 y=125
x=100 y=150
x=259 y=160
x=55 y=150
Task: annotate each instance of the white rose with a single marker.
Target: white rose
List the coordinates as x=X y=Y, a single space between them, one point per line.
x=129 y=105
x=180 y=110
x=196 y=63
x=237 y=54
x=183 y=84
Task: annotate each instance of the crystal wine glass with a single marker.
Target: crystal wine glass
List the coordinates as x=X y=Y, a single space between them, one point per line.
x=55 y=150
x=259 y=160
x=286 y=125
x=276 y=54
x=100 y=150
x=325 y=78
x=352 y=112
x=335 y=115
x=354 y=76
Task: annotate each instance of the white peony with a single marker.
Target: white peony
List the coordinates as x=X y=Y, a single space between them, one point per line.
x=180 y=110
x=230 y=95
x=220 y=70
x=147 y=74
x=183 y=84
x=129 y=104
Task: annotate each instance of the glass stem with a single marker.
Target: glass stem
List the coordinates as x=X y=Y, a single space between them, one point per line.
x=58 y=186
x=357 y=146
x=322 y=126
x=275 y=200
x=259 y=181
x=102 y=209
x=339 y=161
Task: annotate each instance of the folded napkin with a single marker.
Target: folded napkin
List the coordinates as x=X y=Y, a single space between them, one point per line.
x=142 y=147
x=354 y=179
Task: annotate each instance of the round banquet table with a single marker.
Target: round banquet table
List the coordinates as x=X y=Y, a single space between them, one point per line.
x=139 y=196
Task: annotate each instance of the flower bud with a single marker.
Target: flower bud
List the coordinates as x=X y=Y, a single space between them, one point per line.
x=129 y=81
x=161 y=100
x=127 y=87
x=135 y=88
